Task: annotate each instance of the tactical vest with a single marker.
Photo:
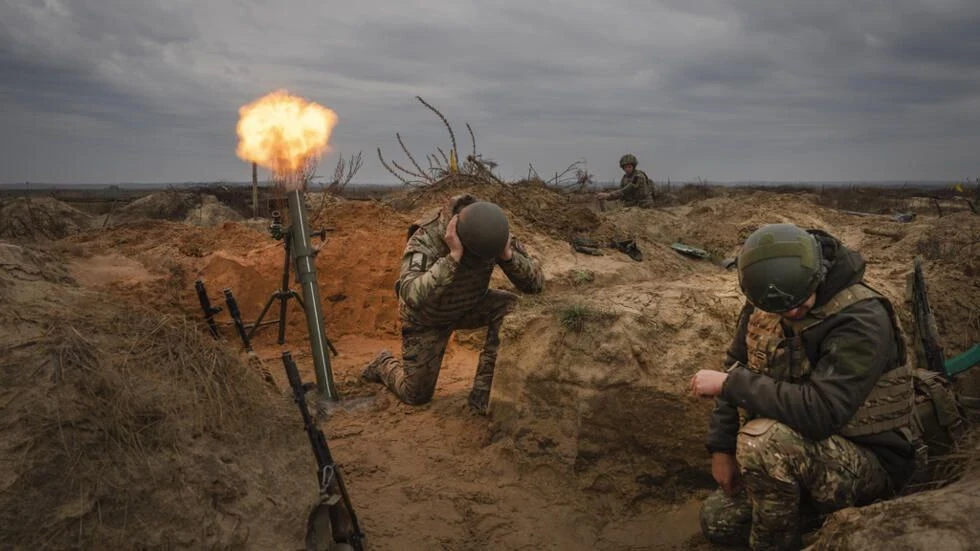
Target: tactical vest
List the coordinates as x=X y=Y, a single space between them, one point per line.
x=642 y=196
x=463 y=294
x=889 y=406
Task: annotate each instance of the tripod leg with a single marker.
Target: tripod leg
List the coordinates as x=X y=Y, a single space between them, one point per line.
x=284 y=291
x=258 y=322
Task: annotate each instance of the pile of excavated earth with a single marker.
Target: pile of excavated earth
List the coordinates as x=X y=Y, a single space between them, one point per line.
x=124 y=425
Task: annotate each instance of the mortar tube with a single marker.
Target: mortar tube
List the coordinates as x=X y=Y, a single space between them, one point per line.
x=304 y=256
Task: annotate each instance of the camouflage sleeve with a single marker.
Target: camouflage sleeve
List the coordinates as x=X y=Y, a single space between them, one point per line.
x=723 y=428
x=522 y=270
x=636 y=182
x=854 y=352
x=424 y=274
x=619 y=192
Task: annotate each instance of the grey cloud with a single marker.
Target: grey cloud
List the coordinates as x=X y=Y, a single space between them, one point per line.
x=124 y=90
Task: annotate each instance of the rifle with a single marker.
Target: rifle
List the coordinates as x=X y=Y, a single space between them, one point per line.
x=332 y=523
x=209 y=311
x=927 y=345
x=236 y=316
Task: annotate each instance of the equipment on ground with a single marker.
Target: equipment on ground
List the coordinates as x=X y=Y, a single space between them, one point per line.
x=928 y=350
x=332 y=524
x=209 y=311
x=236 y=317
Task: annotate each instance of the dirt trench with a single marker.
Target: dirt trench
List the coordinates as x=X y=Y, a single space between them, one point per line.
x=592 y=442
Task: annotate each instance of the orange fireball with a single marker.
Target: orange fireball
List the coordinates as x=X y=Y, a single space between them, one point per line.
x=280 y=131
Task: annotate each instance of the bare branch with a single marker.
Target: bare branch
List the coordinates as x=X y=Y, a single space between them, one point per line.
x=444 y=156
x=354 y=164
x=472 y=138
x=452 y=136
x=388 y=168
x=563 y=178
x=410 y=173
x=434 y=162
x=338 y=171
x=408 y=153
x=481 y=168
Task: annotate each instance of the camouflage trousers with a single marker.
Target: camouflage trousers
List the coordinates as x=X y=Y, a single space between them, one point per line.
x=789 y=479
x=413 y=379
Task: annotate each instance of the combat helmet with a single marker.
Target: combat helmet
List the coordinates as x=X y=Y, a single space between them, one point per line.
x=628 y=159
x=483 y=230
x=779 y=267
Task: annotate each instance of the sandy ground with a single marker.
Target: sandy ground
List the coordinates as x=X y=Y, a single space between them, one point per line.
x=591 y=444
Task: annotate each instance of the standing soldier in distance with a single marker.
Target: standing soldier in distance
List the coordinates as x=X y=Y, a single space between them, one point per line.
x=635 y=188
x=443 y=286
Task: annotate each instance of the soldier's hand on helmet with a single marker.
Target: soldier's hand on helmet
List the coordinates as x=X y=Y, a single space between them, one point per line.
x=452 y=240
x=707 y=383
x=508 y=251
x=724 y=469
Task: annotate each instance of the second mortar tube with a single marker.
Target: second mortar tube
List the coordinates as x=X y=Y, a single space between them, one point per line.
x=304 y=257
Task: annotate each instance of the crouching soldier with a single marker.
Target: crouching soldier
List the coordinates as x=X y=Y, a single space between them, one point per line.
x=819 y=368
x=443 y=286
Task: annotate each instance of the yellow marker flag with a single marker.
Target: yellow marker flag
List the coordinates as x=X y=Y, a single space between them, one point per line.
x=959 y=188
x=453 y=168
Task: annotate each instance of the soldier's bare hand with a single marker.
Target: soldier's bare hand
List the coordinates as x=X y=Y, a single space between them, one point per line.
x=707 y=383
x=452 y=240
x=724 y=469
x=602 y=195
x=508 y=251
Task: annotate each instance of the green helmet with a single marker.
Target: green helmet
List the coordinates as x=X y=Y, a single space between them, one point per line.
x=483 y=230
x=628 y=159
x=779 y=267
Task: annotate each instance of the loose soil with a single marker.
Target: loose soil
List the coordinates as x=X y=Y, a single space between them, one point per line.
x=129 y=427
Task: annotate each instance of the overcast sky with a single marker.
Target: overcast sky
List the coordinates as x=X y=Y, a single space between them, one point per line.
x=131 y=90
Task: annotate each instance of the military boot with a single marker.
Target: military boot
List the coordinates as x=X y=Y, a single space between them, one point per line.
x=372 y=372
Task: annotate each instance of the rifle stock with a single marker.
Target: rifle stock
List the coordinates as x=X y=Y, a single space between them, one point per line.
x=343 y=520
x=927 y=346
x=209 y=311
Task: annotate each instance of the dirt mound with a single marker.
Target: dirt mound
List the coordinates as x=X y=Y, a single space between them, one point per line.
x=122 y=428
x=212 y=212
x=531 y=205
x=936 y=519
x=164 y=205
x=593 y=442
x=357 y=267
x=597 y=381
x=43 y=218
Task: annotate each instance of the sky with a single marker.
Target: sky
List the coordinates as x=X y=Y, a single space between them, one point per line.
x=139 y=91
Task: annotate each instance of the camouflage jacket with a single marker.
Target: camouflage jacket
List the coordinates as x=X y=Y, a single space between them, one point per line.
x=635 y=190
x=848 y=352
x=435 y=291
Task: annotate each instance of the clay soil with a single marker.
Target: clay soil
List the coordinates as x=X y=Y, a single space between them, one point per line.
x=125 y=426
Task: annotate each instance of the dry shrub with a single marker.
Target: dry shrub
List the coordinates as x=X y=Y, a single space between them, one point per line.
x=40 y=218
x=115 y=417
x=689 y=193
x=531 y=203
x=574 y=317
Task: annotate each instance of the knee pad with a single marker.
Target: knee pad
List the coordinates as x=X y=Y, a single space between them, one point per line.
x=764 y=441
